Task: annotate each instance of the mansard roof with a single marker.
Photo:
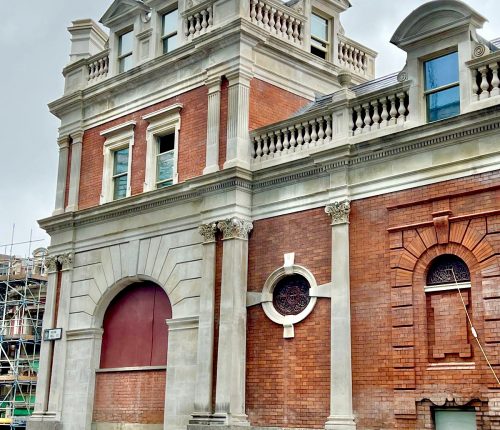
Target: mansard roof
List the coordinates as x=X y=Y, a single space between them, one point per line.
x=433 y=18
x=121 y=8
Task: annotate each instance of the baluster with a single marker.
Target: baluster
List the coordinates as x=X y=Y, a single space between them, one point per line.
x=106 y=66
x=286 y=142
x=301 y=33
x=293 y=141
x=368 y=118
x=265 y=149
x=346 y=55
x=191 y=26
x=277 y=25
x=495 y=80
x=198 y=22
x=359 y=120
x=385 y=114
x=392 y=112
x=361 y=60
x=272 y=146
x=321 y=132
x=253 y=152
x=376 y=115
x=295 y=33
x=328 y=131
x=204 y=23
x=259 y=147
x=284 y=25
x=355 y=58
x=272 y=22
x=307 y=136
x=265 y=21
x=340 y=54
x=210 y=16
x=485 y=86
x=475 y=86
x=253 y=10
x=314 y=133
x=402 y=108
x=365 y=63
x=300 y=139
x=352 y=125
x=350 y=59
x=279 y=145
x=259 y=12
x=289 y=30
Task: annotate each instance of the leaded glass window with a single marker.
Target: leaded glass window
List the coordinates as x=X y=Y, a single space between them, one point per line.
x=446 y=269
x=291 y=295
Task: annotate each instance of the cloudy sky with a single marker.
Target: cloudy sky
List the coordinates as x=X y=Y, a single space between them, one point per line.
x=34 y=47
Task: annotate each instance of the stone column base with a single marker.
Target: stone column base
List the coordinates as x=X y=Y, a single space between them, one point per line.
x=337 y=422
x=41 y=421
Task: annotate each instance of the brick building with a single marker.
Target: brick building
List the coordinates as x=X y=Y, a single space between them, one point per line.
x=318 y=241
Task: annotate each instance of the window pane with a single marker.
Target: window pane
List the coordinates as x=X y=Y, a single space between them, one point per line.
x=455 y=420
x=170 y=22
x=319 y=27
x=441 y=71
x=443 y=104
x=170 y=43
x=165 y=167
x=125 y=63
x=126 y=42
x=120 y=187
x=121 y=161
x=166 y=143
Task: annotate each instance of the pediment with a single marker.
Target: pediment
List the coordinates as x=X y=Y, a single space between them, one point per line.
x=120 y=9
x=434 y=17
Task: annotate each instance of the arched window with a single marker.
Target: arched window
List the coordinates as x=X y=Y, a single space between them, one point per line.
x=135 y=332
x=445 y=271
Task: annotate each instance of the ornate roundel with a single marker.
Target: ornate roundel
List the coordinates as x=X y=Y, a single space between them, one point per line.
x=291 y=295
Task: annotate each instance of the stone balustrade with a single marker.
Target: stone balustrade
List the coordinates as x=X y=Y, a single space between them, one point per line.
x=486 y=77
x=354 y=57
x=98 y=67
x=296 y=137
x=278 y=19
x=198 y=21
x=379 y=112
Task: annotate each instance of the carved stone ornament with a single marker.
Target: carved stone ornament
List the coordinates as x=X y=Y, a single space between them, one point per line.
x=339 y=211
x=235 y=228
x=51 y=263
x=479 y=50
x=402 y=76
x=65 y=260
x=208 y=232
x=291 y=295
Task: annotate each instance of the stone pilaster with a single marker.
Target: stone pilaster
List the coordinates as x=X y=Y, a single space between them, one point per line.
x=203 y=393
x=341 y=412
x=74 y=178
x=213 y=125
x=238 y=146
x=62 y=173
x=231 y=367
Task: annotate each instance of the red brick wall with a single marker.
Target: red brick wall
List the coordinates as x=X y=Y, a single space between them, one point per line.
x=192 y=146
x=130 y=397
x=269 y=104
x=288 y=380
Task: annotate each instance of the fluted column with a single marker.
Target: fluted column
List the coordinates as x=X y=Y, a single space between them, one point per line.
x=238 y=141
x=341 y=412
x=213 y=125
x=47 y=347
x=203 y=394
x=231 y=358
x=74 y=178
x=62 y=172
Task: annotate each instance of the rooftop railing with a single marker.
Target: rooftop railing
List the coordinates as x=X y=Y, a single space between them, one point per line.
x=355 y=57
x=485 y=76
x=98 y=67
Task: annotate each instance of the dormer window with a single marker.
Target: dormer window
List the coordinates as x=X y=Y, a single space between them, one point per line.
x=125 y=49
x=442 y=91
x=169 y=37
x=320 y=36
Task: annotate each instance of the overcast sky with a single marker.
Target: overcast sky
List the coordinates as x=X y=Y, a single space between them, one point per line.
x=34 y=47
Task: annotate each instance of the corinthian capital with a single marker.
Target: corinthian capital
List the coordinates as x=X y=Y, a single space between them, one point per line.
x=51 y=263
x=65 y=260
x=208 y=232
x=339 y=211
x=235 y=228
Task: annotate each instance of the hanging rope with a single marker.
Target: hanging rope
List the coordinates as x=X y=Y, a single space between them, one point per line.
x=473 y=330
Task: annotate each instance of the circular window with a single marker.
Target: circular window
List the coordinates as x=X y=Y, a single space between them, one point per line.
x=291 y=295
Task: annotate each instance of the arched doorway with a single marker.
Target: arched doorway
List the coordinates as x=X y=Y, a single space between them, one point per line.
x=130 y=383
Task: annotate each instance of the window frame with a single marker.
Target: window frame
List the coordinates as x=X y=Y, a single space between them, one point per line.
x=157 y=158
x=121 y=57
x=165 y=36
x=161 y=123
x=427 y=93
x=115 y=175
x=116 y=138
x=328 y=42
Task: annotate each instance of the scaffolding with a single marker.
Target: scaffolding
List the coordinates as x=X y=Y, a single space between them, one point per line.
x=23 y=287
